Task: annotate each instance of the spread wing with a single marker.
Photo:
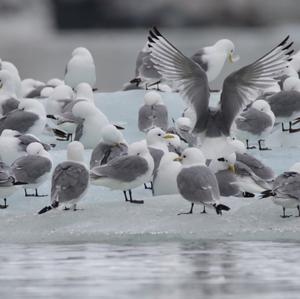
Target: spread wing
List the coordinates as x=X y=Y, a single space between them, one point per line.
x=190 y=78
x=243 y=86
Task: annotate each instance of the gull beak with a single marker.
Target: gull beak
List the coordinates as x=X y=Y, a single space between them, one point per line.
x=178 y=159
x=232 y=58
x=168 y=136
x=231 y=168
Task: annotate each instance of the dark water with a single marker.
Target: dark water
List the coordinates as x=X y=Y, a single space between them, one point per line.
x=165 y=270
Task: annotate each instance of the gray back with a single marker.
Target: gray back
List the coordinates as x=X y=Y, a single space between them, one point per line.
x=9 y=105
x=69 y=181
x=226 y=181
x=198 y=58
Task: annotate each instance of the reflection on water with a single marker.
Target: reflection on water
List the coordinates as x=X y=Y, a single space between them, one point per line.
x=164 y=270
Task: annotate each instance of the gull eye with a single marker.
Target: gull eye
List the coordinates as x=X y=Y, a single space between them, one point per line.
x=221 y=159
x=159 y=134
x=184 y=156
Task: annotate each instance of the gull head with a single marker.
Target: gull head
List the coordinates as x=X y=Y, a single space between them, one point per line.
x=291 y=83
x=261 y=105
x=84 y=91
x=75 y=151
x=84 y=109
x=138 y=148
x=111 y=135
x=153 y=98
x=81 y=51
x=183 y=123
x=295 y=167
x=192 y=156
x=35 y=148
x=227 y=46
x=6 y=81
x=157 y=135
x=62 y=92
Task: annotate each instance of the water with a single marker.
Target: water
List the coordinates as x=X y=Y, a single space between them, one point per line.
x=151 y=270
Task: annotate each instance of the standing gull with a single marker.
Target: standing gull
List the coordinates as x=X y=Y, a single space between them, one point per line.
x=126 y=172
x=33 y=169
x=112 y=145
x=153 y=113
x=257 y=121
x=239 y=88
x=197 y=183
x=70 y=179
x=80 y=68
x=286 y=190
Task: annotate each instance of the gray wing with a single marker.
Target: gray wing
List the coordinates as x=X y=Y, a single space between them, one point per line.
x=124 y=168
x=226 y=181
x=18 y=120
x=36 y=92
x=188 y=75
x=198 y=58
x=156 y=155
x=243 y=170
x=145 y=118
x=9 y=105
x=288 y=184
x=263 y=171
x=198 y=183
x=103 y=153
x=243 y=86
x=161 y=117
x=79 y=131
x=145 y=67
x=28 y=169
x=6 y=176
x=253 y=121
x=25 y=140
x=69 y=181
x=284 y=103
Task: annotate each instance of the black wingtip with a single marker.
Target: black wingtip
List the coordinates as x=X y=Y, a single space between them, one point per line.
x=151 y=41
x=284 y=41
x=290 y=59
x=288 y=46
x=220 y=207
x=153 y=35
x=156 y=31
x=44 y=210
x=290 y=53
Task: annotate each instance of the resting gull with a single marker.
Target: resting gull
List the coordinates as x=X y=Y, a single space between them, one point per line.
x=112 y=145
x=34 y=169
x=197 y=183
x=126 y=172
x=286 y=190
x=153 y=113
x=80 y=68
x=70 y=179
x=239 y=88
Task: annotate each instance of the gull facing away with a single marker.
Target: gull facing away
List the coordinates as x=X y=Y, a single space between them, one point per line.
x=70 y=179
x=197 y=183
x=286 y=190
x=239 y=88
x=80 y=68
x=126 y=172
x=255 y=122
x=34 y=169
x=153 y=113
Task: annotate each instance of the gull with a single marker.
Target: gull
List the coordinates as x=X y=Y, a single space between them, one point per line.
x=239 y=88
x=33 y=169
x=153 y=113
x=70 y=179
x=112 y=145
x=256 y=121
x=80 y=68
x=286 y=190
x=197 y=183
x=126 y=172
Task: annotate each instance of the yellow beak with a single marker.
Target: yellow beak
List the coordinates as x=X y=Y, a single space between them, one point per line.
x=179 y=159
x=233 y=59
x=168 y=136
x=231 y=168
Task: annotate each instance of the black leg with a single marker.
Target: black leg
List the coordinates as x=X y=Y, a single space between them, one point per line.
x=204 y=211
x=133 y=200
x=66 y=209
x=5 y=204
x=247 y=145
x=125 y=195
x=189 y=212
x=248 y=194
x=261 y=147
x=283 y=129
x=291 y=130
x=39 y=195
x=298 y=207
x=70 y=137
x=284 y=215
x=27 y=194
